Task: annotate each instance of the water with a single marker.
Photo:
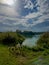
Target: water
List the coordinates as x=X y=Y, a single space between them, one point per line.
x=41 y=60
x=31 y=41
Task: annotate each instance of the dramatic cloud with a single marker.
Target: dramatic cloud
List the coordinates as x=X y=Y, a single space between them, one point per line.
x=26 y=15
x=29 y=4
x=9 y=10
x=41 y=15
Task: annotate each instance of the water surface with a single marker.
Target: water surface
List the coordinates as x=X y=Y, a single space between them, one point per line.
x=31 y=41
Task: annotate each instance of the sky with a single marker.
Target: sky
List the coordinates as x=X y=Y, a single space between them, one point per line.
x=29 y=15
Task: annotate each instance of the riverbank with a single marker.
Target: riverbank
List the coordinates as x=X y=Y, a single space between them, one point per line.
x=8 y=58
x=29 y=57
x=23 y=55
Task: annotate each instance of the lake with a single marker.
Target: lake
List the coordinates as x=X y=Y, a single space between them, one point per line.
x=31 y=41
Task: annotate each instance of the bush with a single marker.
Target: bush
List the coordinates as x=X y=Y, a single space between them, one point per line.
x=9 y=40
x=44 y=41
x=35 y=49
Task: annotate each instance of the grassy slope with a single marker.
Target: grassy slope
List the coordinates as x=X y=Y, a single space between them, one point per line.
x=31 y=58
x=6 y=58
x=42 y=59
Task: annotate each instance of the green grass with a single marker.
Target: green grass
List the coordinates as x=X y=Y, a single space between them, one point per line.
x=5 y=57
x=27 y=55
x=30 y=58
x=39 y=60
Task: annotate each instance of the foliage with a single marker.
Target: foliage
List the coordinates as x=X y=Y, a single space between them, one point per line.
x=11 y=38
x=44 y=40
x=20 y=39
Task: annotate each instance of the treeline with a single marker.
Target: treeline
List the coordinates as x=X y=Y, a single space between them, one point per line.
x=25 y=33
x=28 y=33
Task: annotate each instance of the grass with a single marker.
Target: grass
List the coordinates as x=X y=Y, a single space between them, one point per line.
x=39 y=60
x=7 y=58
x=26 y=56
x=30 y=58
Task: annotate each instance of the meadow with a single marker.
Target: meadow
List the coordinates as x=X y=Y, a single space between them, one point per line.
x=13 y=53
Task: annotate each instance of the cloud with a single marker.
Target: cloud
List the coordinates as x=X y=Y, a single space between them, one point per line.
x=9 y=11
x=29 y=4
x=33 y=15
x=13 y=20
x=41 y=15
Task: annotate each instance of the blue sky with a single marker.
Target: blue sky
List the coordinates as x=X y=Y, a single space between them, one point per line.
x=24 y=15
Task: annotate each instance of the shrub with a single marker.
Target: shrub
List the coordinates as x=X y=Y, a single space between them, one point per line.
x=35 y=49
x=44 y=41
x=9 y=40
